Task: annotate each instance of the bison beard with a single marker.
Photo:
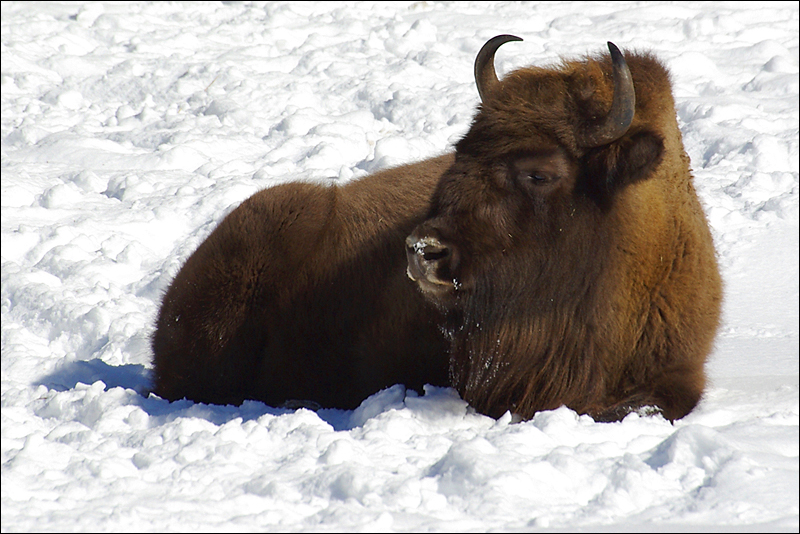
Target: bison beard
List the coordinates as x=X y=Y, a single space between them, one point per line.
x=559 y=257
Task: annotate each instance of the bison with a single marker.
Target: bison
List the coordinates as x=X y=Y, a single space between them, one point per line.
x=560 y=256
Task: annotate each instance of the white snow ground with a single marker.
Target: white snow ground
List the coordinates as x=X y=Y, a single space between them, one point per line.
x=130 y=130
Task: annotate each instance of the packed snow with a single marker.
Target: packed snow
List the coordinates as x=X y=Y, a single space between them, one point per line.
x=129 y=130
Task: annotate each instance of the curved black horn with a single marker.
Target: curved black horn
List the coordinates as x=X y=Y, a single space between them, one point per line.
x=485 y=75
x=620 y=116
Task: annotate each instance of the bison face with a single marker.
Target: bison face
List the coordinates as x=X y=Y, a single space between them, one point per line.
x=486 y=214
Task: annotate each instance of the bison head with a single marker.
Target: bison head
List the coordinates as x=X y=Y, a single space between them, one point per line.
x=518 y=247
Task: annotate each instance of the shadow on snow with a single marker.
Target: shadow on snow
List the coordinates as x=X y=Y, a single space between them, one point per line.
x=136 y=380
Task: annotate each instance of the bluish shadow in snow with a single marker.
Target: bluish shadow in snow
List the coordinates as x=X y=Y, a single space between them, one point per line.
x=68 y=375
x=436 y=403
x=136 y=377
x=696 y=445
x=338 y=419
x=164 y=411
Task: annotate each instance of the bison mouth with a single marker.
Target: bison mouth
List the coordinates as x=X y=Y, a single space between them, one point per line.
x=432 y=264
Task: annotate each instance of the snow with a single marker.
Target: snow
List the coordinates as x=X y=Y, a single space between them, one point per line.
x=129 y=130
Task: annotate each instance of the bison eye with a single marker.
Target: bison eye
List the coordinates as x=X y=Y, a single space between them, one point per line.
x=538 y=178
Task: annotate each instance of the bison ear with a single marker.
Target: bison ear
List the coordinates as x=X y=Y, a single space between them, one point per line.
x=630 y=159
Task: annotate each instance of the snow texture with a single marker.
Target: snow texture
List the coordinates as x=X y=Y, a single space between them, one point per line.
x=129 y=130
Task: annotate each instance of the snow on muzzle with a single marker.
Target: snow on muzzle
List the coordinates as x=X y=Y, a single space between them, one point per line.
x=432 y=263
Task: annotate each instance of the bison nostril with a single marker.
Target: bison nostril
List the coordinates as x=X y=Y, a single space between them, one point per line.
x=434 y=255
x=427 y=249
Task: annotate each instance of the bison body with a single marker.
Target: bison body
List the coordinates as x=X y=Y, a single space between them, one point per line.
x=301 y=294
x=559 y=257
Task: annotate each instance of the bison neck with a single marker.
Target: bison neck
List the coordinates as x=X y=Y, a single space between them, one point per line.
x=538 y=345
x=512 y=362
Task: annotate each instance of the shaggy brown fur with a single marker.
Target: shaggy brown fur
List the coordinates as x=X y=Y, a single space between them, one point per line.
x=301 y=294
x=559 y=274
x=573 y=276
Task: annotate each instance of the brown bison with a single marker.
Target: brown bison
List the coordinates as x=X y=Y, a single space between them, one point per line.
x=559 y=257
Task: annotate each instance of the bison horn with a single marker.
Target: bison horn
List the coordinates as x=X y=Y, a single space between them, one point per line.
x=620 y=117
x=485 y=75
